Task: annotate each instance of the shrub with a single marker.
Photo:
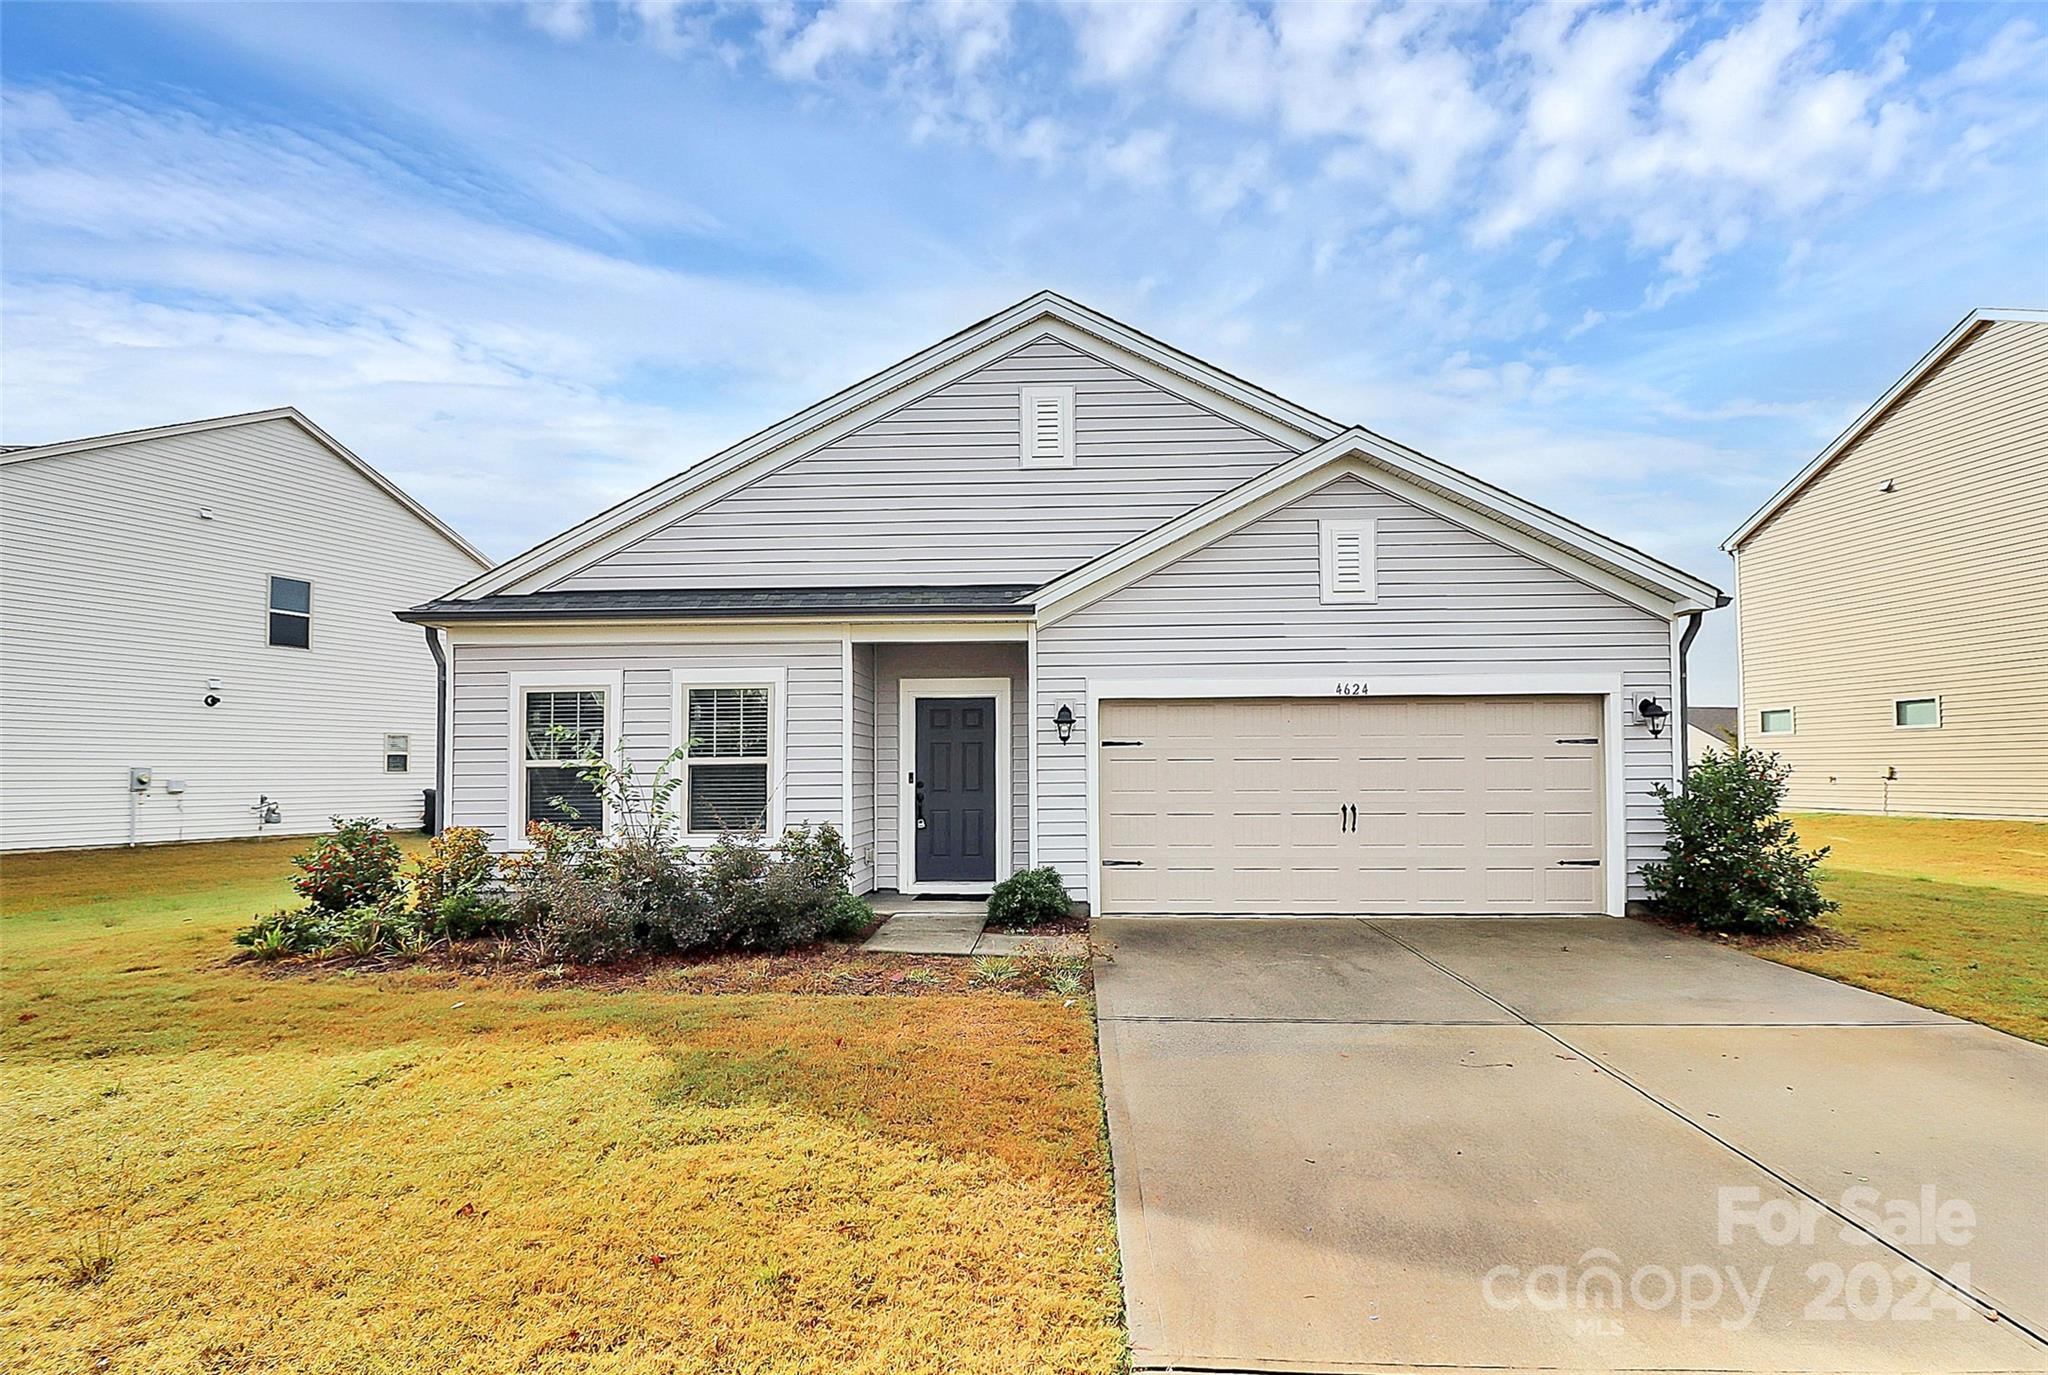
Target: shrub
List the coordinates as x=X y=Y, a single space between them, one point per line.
x=1029 y=897
x=300 y=931
x=458 y=860
x=357 y=863
x=850 y=918
x=1732 y=862
x=807 y=875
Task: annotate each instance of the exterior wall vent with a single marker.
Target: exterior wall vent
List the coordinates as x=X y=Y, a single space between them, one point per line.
x=1047 y=423
x=1349 y=561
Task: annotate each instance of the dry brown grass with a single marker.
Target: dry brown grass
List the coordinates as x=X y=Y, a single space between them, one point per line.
x=431 y=1170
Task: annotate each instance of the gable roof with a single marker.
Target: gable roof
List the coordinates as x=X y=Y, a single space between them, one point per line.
x=1544 y=535
x=1040 y=315
x=1950 y=342
x=30 y=452
x=611 y=604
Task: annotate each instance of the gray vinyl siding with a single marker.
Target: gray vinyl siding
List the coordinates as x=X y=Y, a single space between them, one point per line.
x=652 y=675
x=894 y=663
x=933 y=492
x=119 y=601
x=861 y=841
x=1451 y=601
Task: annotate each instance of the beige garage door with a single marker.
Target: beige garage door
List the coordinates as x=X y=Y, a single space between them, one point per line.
x=1274 y=806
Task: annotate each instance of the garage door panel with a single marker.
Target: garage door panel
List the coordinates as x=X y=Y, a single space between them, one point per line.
x=1461 y=805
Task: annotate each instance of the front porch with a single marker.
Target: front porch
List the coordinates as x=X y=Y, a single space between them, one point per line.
x=938 y=769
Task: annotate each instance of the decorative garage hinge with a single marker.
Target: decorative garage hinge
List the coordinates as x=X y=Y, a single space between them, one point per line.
x=1580 y=740
x=1578 y=864
x=1121 y=744
x=1123 y=863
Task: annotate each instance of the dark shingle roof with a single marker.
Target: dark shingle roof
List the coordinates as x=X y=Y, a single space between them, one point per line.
x=678 y=603
x=1719 y=721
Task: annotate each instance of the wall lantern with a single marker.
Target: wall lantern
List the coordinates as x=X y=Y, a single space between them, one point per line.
x=1653 y=714
x=1063 y=722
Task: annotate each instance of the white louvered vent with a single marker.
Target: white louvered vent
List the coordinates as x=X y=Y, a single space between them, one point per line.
x=1048 y=426
x=1349 y=561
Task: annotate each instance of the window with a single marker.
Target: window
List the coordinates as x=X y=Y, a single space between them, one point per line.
x=397 y=753
x=728 y=739
x=291 y=613
x=1047 y=421
x=562 y=728
x=1349 y=561
x=1916 y=713
x=1774 y=721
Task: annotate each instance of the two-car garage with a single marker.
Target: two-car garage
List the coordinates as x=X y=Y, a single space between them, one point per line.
x=1363 y=805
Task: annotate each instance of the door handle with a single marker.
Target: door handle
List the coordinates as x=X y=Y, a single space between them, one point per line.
x=920 y=803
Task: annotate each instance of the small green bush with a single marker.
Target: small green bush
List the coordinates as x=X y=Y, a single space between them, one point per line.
x=1732 y=862
x=299 y=931
x=850 y=919
x=355 y=864
x=1029 y=897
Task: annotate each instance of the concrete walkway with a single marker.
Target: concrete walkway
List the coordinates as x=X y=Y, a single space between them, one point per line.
x=926 y=927
x=1346 y=1145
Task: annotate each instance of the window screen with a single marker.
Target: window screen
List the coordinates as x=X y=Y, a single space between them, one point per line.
x=397 y=753
x=562 y=729
x=1777 y=721
x=291 y=613
x=728 y=759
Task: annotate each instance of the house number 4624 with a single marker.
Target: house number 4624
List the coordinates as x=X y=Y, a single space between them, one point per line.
x=1351 y=689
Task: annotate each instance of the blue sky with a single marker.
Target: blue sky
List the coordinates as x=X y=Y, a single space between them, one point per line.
x=1635 y=262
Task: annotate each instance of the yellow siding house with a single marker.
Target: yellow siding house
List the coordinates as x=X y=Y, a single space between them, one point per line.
x=1893 y=645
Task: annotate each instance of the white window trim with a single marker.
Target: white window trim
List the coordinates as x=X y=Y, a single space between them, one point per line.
x=1933 y=697
x=908 y=693
x=1367 y=530
x=776 y=681
x=270 y=610
x=1761 y=712
x=609 y=682
x=1028 y=398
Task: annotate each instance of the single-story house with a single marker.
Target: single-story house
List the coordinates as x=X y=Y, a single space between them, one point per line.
x=196 y=638
x=1052 y=592
x=1892 y=647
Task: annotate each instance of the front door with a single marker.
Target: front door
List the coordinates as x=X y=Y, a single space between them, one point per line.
x=954 y=788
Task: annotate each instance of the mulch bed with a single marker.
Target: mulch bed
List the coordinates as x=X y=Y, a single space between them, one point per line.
x=1811 y=938
x=826 y=969
x=1066 y=926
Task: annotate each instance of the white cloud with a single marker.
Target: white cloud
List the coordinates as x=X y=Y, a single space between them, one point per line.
x=566 y=20
x=1118 y=40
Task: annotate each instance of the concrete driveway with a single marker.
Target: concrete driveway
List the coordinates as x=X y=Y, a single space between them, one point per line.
x=1571 y=1144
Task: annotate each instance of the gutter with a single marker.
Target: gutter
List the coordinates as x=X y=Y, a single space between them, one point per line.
x=440 y=729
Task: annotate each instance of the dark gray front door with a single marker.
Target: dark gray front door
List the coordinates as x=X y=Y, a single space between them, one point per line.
x=954 y=781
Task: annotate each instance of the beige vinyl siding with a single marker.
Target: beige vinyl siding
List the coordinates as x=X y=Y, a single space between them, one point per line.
x=933 y=492
x=1450 y=601
x=1850 y=597
x=861 y=842
x=896 y=662
x=652 y=676
x=118 y=602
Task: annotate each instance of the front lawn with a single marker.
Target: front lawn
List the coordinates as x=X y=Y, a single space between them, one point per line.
x=210 y=1166
x=1951 y=915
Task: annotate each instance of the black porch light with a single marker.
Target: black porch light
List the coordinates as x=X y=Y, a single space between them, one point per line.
x=1063 y=722
x=1653 y=713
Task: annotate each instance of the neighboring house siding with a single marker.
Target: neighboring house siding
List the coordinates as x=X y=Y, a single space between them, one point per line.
x=1850 y=597
x=933 y=491
x=1450 y=601
x=118 y=602
x=861 y=842
x=652 y=674
x=896 y=662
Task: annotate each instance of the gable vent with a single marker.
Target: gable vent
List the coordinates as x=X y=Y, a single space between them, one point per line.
x=1047 y=426
x=1349 y=559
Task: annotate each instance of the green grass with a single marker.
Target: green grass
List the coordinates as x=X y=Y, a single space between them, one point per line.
x=206 y=1166
x=1951 y=915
